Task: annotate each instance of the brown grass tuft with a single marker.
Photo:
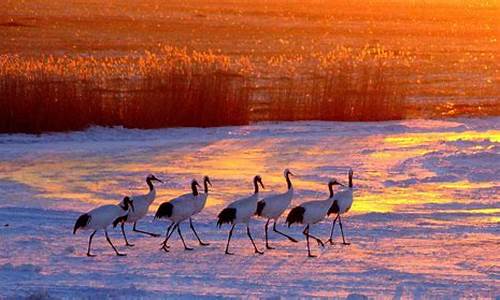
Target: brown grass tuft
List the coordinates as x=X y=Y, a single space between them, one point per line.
x=342 y=85
x=173 y=87
x=169 y=88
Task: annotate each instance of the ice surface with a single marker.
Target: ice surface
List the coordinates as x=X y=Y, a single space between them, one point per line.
x=425 y=222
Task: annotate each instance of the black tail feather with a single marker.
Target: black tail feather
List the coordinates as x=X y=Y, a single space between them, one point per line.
x=227 y=215
x=296 y=215
x=165 y=210
x=119 y=220
x=334 y=209
x=260 y=207
x=82 y=221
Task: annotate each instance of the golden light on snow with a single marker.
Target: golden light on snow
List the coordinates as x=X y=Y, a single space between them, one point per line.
x=428 y=137
x=232 y=165
x=415 y=192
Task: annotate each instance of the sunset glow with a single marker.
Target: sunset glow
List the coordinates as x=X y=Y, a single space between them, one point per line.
x=373 y=126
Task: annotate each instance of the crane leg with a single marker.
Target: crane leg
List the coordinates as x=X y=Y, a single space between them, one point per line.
x=331 y=232
x=167 y=236
x=125 y=236
x=112 y=246
x=182 y=239
x=90 y=243
x=144 y=232
x=342 y=230
x=306 y=233
x=229 y=239
x=253 y=243
x=266 y=234
x=283 y=234
x=196 y=234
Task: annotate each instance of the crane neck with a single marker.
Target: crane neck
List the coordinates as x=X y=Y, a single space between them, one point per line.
x=125 y=204
x=288 y=181
x=256 y=186
x=205 y=183
x=194 y=189
x=150 y=184
x=330 y=188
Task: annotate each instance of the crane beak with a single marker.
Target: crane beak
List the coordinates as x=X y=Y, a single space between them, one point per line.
x=156 y=178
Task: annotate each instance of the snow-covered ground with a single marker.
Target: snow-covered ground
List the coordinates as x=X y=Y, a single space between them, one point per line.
x=425 y=222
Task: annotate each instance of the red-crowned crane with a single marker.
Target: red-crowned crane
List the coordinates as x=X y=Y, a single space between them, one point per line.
x=342 y=202
x=103 y=216
x=273 y=206
x=310 y=213
x=240 y=212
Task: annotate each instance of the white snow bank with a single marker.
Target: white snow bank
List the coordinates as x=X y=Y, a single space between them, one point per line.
x=424 y=223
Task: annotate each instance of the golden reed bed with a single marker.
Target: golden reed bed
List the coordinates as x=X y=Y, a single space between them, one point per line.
x=176 y=87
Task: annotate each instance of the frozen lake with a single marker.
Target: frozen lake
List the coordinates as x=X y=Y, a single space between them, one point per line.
x=425 y=220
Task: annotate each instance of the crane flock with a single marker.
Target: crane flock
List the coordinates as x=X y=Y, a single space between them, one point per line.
x=184 y=207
